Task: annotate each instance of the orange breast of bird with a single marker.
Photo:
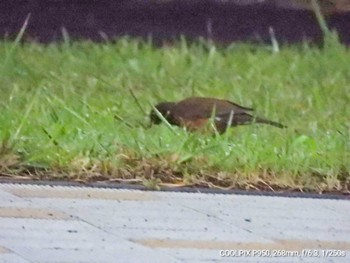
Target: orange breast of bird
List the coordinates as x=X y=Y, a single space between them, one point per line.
x=194 y=125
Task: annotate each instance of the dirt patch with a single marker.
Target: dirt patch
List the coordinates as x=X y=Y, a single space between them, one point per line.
x=162 y=175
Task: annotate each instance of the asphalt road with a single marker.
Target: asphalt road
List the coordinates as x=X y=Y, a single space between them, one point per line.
x=41 y=223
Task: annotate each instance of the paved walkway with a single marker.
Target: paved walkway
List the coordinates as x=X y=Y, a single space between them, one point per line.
x=81 y=224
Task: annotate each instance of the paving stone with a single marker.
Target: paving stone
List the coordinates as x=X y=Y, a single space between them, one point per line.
x=12 y=258
x=67 y=241
x=76 y=224
x=8 y=197
x=78 y=193
x=24 y=212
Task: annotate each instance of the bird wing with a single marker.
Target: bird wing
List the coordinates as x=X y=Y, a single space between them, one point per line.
x=200 y=107
x=239 y=106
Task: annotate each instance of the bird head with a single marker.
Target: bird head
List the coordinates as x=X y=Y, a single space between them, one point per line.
x=163 y=108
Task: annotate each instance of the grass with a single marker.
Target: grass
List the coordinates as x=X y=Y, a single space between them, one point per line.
x=78 y=111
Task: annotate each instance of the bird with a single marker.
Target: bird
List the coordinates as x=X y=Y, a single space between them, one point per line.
x=193 y=113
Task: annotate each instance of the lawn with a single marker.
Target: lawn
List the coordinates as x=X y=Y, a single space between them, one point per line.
x=79 y=111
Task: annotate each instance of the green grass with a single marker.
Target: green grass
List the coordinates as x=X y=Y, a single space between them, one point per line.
x=78 y=111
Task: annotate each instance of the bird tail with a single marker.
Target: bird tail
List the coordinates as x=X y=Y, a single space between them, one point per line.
x=265 y=121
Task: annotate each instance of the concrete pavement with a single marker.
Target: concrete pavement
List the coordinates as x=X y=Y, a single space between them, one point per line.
x=41 y=223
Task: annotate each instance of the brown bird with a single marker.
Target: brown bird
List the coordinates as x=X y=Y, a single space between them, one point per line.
x=195 y=112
